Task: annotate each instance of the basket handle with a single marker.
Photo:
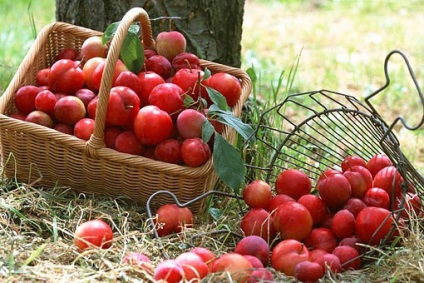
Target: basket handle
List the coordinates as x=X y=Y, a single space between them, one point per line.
x=97 y=138
x=386 y=74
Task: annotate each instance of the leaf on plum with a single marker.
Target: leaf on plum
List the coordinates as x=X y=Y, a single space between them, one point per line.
x=207 y=130
x=228 y=163
x=132 y=52
x=109 y=32
x=207 y=74
x=188 y=101
x=217 y=98
x=227 y=117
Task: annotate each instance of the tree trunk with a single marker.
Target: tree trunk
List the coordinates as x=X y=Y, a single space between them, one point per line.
x=213 y=29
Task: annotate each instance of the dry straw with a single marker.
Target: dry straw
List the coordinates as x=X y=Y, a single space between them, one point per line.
x=30 y=151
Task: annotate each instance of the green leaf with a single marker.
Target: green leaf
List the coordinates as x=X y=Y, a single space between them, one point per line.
x=252 y=74
x=35 y=254
x=134 y=28
x=228 y=163
x=207 y=130
x=188 y=101
x=203 y=102
x=109 y=32
x=207 y=74
x=228 y=118
x=216 y=213
x=132 y=53
x=217 y=98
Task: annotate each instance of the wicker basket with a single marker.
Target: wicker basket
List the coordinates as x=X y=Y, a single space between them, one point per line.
x=31 y=152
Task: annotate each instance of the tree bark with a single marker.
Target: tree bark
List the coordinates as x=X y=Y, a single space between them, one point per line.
x=213 y=29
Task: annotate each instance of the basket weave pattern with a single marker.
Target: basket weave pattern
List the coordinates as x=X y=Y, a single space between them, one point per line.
x=31 y=152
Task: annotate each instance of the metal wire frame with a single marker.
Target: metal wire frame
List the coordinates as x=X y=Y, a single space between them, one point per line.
x=337 y=125
x=175 y=200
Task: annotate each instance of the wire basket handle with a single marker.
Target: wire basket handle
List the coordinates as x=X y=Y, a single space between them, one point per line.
x=182 y=205
x=97 y=139
x=414 y=79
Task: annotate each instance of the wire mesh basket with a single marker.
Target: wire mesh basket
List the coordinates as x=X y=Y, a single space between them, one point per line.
x=336 y=125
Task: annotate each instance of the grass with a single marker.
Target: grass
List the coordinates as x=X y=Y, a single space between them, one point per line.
x=340 y=46
x=343 y=45
x=21 y=20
